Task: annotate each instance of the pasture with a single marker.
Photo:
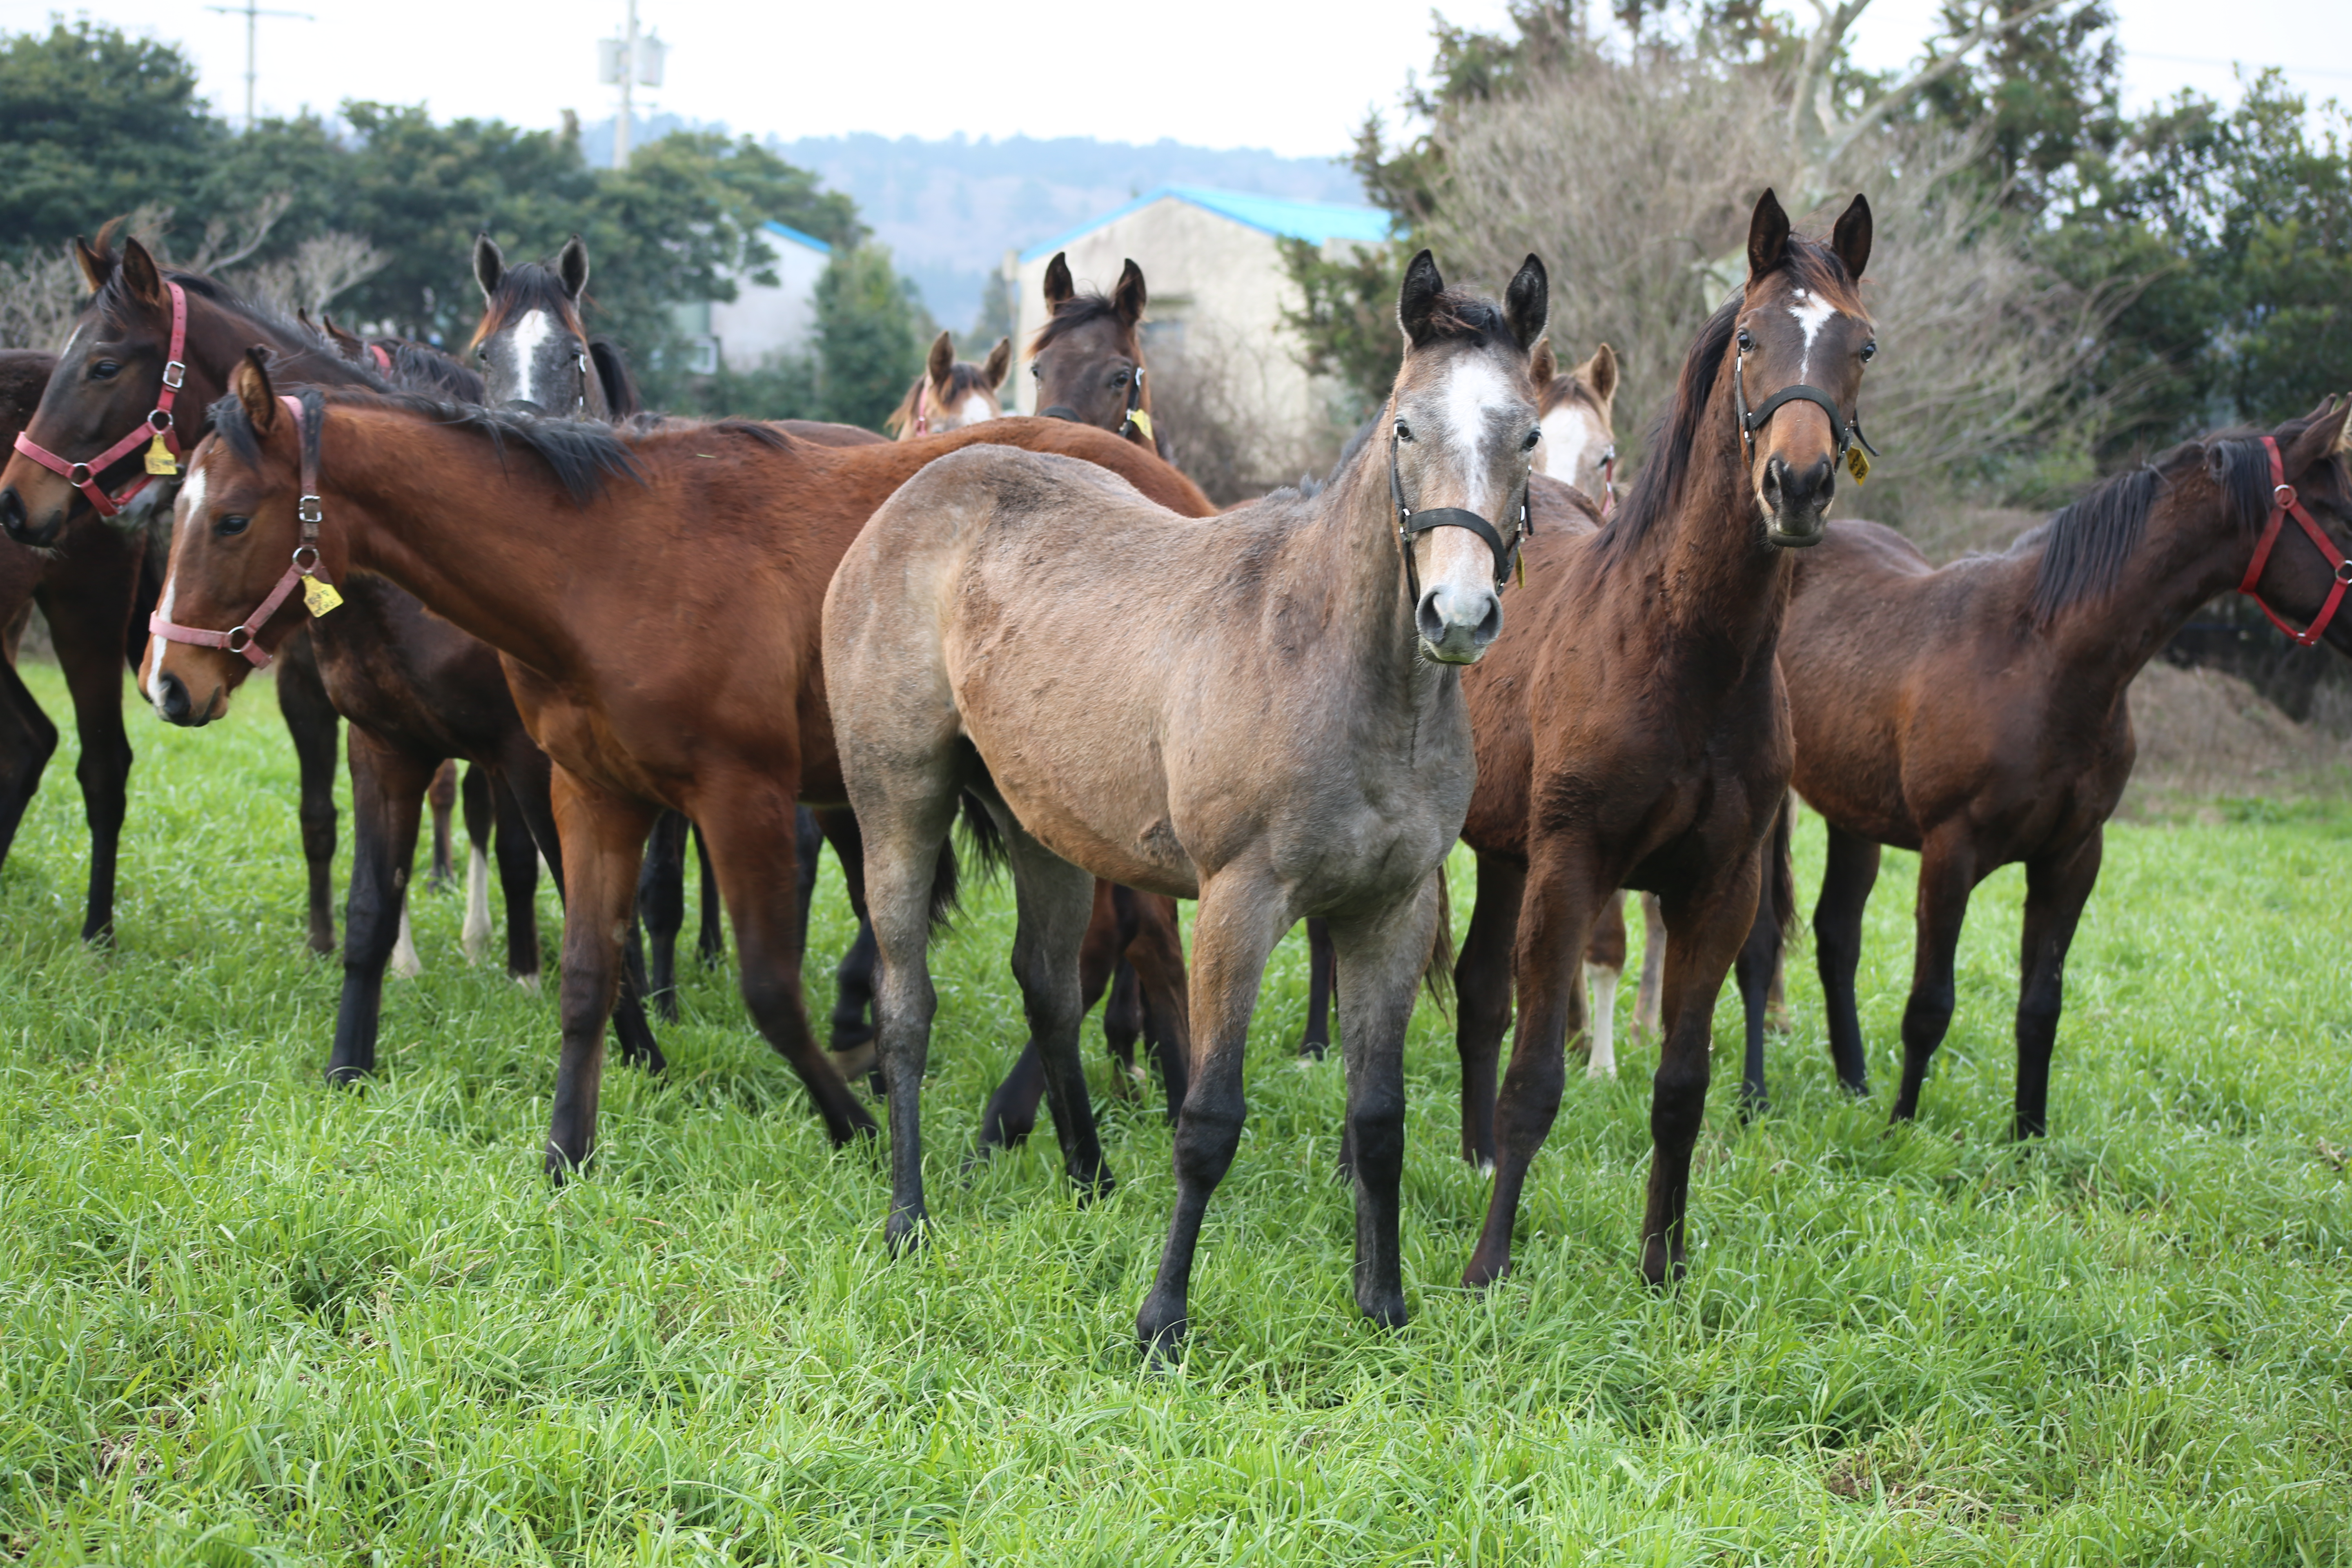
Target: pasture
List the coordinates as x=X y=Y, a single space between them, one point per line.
x=245 y=1319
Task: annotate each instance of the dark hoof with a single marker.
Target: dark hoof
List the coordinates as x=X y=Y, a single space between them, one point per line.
x=562 y=1167
x=713 y=957
x=2025 y=1128
x=1753 y=1104
x=1660 y=1269
x=1859 y=1087
x=1387 y=1313
x=1094 y=1186
x=905 y=1231
x=322 y=943
x=857 y=1126
x=1483 y=1271
x=1314 y=1049
x=665 y=1003
x=98 y=935
x=1160 y=1332
x=346 y=1075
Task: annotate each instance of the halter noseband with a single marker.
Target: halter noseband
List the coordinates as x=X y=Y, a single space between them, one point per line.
x=1410 y=522
x=2285 y=502
x=157 y=426
x=240 y=638
x=1848 y=431
x=1136 y=422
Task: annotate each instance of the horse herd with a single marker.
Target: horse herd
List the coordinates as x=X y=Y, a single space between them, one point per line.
x=783 y=633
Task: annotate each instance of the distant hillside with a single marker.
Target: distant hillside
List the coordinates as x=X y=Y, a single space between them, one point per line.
x=949 y=210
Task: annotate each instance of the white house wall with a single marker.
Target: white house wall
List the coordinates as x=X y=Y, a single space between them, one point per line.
x=763 y=322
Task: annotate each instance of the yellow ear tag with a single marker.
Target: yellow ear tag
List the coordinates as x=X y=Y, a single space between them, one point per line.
x=1143 y=421
x=160 y=461
x=1857 y=463
x=319 y=595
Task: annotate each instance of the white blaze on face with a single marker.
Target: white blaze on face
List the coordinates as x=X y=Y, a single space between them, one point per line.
x=529 y=334
x=191 y=502
x=1572 y=445
x=1813 y=313
x=975 y=409
x=1473 y=389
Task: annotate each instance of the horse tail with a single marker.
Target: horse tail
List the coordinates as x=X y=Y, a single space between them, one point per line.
x=946 y=888
x=1779 y=867
x=1437 y=975
x=982 y=839
x=621 y=395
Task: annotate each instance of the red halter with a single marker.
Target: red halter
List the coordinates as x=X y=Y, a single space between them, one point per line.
x=83 y=477
x=382 y=357
x=2283 y=502
x=238 y=639
x=921 y=425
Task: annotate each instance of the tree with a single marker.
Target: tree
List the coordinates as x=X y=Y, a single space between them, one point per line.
x=871 y=335
x=1346 y=318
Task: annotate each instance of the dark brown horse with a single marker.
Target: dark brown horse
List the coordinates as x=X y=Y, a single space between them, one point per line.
x=949 y=394
x=1087 y=358
x=1976 y=712
x=107 y=387
x=714 y=707
x=1633 y=731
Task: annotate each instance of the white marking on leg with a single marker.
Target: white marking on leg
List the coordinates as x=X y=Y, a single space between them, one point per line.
x=534 y=328
x=1601 y=1020
x=404 y=962
x=478 y=904
x=1813 y=313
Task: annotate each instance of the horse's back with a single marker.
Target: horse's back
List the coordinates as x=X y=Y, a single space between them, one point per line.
x=24 y=376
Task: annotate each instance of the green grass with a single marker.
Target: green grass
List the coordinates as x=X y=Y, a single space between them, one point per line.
x=244 y=1319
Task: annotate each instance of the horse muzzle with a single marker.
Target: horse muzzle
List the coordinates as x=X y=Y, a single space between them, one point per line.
x=1456 y=625
x=16 y=521
x=1796 y=502
x=174 y=706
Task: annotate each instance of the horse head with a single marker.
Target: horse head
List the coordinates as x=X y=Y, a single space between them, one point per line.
x=532 y=345
x=1802 y=338
x=1087 y=358
x=2301 y=571
x=949 y=394
x=1576 y=408
x=1462 y=436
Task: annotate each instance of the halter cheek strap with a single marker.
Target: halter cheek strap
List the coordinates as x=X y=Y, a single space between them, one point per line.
x=240 y=638
x=2284 y=503
x=83 y=477
x=921 y=423
x=1410 y=522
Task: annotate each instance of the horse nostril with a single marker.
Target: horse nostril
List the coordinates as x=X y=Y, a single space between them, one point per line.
x=1427 y=621
x=12 y=511
x=1490 y=625
x=175 y=704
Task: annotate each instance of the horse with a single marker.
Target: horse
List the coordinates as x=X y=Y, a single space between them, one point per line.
x=118 y=401
x=1634 y=733
x=714 y=708
x=949 y=394
x=1976 y=712
x=1087 y=358
x=1266 y=715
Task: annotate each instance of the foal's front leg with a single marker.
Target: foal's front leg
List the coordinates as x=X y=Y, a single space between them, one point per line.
x=603 y=837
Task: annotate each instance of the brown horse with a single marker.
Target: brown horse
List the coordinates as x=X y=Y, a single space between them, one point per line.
x=1264 y=714
x=712 y=707
x=118 y=375
x=1087 y=358
x=949 y=394
x=1634 y=733
x=1976 y=713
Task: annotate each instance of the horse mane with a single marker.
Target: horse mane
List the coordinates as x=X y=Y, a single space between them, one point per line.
x=1077 y=311
x=1657 y=489
x=961 y=380
x=425 y=367
x=2085 y=544
x=582 y=454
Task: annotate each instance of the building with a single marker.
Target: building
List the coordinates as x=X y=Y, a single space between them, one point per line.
x=762 y=320
x=1217 y=293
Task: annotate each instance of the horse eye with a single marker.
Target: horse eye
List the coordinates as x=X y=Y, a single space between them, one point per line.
x=103 y=370
x=1534 y=435
x=1870 y=351
x=230 y=526
x=1746 y=342
x=1403 y=431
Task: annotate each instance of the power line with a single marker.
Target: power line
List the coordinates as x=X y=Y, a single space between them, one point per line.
x=252 y=14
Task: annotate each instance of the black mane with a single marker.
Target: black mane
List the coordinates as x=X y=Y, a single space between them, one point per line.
x=2084 y=545
x=1072 y=313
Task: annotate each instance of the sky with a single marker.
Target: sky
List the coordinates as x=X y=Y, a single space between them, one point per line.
x=1279 y=74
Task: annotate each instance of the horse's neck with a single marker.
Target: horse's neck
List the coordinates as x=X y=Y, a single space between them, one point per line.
x=1719 y=591
x=2185 y=557
x=1350 y=551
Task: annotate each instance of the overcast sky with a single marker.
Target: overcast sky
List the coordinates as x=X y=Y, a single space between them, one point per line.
x=1295 y=78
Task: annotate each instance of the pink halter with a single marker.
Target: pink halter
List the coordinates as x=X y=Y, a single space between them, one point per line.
x=83 y=477
x=239 y=639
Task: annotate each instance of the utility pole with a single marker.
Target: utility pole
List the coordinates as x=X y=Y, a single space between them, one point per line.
x=630 y=61
x=253 y=13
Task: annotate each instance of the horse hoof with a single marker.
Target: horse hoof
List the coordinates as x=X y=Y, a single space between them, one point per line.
x=1388 y=1312
x=1661 y=1269
x=344 y=1075
x=1484 y=1271
x=903 y=1232
x=1095 y=1186
x=1160 y=1333
x=529 y=982
x=1599 y=1068
x=1312 y=1049
x=856 y=1126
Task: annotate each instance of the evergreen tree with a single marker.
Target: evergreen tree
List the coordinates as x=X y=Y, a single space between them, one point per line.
x=871 y=335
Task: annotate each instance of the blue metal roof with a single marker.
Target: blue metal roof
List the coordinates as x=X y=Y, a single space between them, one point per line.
x=1318 y=222
x=797 y=237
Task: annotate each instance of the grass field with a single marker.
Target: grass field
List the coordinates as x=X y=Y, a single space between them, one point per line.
x=244 y=1319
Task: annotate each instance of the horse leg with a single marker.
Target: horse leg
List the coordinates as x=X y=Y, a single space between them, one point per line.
x=311 y=719
x=710 y=936
x=1562 y=898
x=1123 y=1026
x=1321 y=961
x=853 y=982
x=1056 y=902
x=661 y=904
x=1846 y=881
x=1234 y=932
x=1011 y=1114
x=27 y=740
x=517 y=856
x=443 y=797
x=1758 y=964
x=1156 y=952
x=602 y=836
x=388 y=788
x=1653 y=970
x=481 y=813
x=88 y=614
x=1605 y=965
x=1482 y=1000
x=2055 y=891
x=1947 y=875
x=1706 y=928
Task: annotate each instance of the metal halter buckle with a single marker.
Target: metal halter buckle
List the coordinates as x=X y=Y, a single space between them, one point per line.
x=239 y=639
x=175 y=373
x=303 y=549
x=306 y=510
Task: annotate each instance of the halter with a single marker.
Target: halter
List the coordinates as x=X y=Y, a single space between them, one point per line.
x=1136 y=422
x=921 y=423
x=1608 y=481
x=157 y=425
x=2284 y=501
x=382 y=357
x=1410 y=522
x=239 y=639
x=1849 y=430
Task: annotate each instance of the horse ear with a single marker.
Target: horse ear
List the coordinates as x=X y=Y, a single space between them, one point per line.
x=1130 y=298
x=96 y=263
x=942 y=365
x=999 y=366
x=250 y=383
x=1417 y=300
x=1543 y=368
x=141 y=277
x=1767 y=235
x=2320 y=439
x=1058 y=286
x=1527 y=303
x=1600 y=372
x=489 y=264
x=1851 y=238
x=572 y=265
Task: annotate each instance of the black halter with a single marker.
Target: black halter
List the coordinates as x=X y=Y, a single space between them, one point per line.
x=1848 y=431
x=1410 y=522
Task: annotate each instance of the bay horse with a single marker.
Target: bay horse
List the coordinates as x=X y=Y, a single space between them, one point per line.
x=1976 y=712
x=713 y=708
x=1634 y=733
x=1264 y=714
x=949 y=394
x=1087 y=358
x=125 y=394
